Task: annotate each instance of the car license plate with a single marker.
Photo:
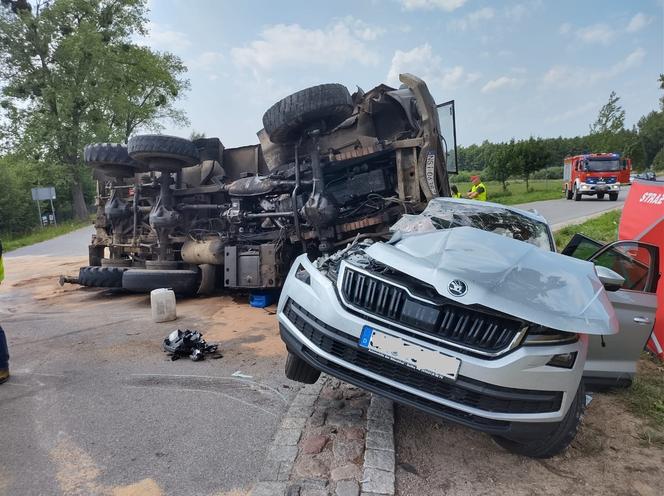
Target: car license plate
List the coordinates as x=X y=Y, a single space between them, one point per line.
x=412 y=355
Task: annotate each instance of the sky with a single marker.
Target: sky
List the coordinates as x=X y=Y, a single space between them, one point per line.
x=514 y=68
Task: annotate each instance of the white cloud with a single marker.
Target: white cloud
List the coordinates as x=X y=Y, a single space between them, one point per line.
x=565 y=28
x=564 y=76
x=597 y=33
x=473 y=19
x=363 y=30
x=206 y=61
x=422 y=62
x=638 y=22
x=500 y=83
x=446 y=5
x=292 y=45
x=162 y=37
x=516 y=12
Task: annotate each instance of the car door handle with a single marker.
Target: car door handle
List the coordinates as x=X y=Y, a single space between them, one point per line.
x=642 y=320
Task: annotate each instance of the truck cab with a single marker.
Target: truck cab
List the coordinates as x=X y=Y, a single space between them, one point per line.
x=595 y=174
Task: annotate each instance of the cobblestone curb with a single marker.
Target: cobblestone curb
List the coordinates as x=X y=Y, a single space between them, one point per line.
x=274 y=476
x=335 y=439
x=378 y=469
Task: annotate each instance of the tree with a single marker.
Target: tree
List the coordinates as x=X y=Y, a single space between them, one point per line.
x=611 y=117
x=71 y=75
x=505 y=162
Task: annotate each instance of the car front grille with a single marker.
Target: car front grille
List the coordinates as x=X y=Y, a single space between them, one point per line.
x=470 y=329
x=464 y=391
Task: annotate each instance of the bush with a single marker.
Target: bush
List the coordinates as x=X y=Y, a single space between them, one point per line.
x=549 y=173
x=463 y=176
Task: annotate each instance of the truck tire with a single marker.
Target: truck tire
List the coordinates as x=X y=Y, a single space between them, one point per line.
x=600 y=196
x=116 y=262
x=556 y=441
x=328 y=103
x=299 y=370
x=576 y=194
x=111 y=159
x=162 y=264
x=613 y=196
x=101 y=277
x=182 y=282
x=174 y=151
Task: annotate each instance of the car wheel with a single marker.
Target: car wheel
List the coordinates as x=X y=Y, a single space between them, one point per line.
x=329 y=104
x=182 y=282
x=576 y=194
x=101 y=277
x=600 y=196
x=163 y=153
x=111 y=159
x=557 y=440
x=613 y=196
x=299 y=370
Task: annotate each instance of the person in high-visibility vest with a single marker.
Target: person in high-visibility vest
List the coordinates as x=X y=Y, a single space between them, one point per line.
x=455 y=191
x=4 y=351
x=477 y=190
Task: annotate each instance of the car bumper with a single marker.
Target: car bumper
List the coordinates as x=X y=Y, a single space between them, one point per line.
x=587 y=188
x=511 y=395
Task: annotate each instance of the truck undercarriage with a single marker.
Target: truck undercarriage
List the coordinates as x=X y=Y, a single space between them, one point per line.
x=329 y=167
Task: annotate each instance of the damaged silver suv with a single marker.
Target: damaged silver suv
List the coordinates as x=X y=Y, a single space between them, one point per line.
x=466 y=313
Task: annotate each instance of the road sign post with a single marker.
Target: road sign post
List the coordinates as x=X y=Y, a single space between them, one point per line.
x=40 y=194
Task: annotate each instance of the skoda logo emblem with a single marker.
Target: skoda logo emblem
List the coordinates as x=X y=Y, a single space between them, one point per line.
x=457 y=287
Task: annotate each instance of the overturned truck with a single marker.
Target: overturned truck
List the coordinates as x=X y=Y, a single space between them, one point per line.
x=329 y=167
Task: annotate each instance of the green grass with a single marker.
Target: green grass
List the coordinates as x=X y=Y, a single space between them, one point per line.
x=516 y=193
x=10 y=243
x=603 y=229
x=646 y=399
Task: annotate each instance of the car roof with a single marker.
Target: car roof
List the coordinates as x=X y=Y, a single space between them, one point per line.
x=476 y=203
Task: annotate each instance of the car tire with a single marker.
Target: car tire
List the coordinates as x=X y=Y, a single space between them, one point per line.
x=111 y=159
x=576 y=194
x=613 y=196
x=101 y=277
x=329 y=104
x=182 y=282
x=299 y=370
x=163 y=153
x=557 y=440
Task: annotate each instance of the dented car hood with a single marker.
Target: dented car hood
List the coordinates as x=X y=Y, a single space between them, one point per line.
x=507 y=275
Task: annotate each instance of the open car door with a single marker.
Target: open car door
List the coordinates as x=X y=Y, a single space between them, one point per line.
x=611 y=360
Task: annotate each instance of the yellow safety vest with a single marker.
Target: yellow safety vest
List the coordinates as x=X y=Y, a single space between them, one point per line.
x=480 y=196
x=456 y=195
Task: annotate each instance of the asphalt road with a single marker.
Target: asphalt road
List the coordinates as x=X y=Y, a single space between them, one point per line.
x=72 y=244
x=94 y=407
x=560 y=213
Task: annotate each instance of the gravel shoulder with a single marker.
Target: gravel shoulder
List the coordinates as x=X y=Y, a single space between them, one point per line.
x=608 y=456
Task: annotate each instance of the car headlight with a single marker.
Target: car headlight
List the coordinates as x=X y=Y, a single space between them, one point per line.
x=303 y=275
x=540 y=335
x=584 y=186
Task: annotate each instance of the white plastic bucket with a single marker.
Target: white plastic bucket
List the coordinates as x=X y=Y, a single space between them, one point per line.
x=162 y=302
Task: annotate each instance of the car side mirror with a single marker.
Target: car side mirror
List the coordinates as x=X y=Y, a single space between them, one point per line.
x=611 y=280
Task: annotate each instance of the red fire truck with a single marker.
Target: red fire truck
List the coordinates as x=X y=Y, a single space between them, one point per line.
x=595 y=174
